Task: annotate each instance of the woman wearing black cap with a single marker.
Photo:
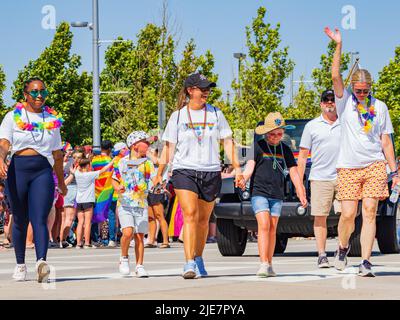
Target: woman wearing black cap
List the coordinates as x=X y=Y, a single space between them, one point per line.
x=193 y=136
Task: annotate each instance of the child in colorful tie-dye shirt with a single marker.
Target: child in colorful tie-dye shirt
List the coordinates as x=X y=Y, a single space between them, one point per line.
x=132 y=181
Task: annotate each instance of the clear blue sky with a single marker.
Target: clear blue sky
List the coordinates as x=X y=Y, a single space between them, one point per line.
x=218 y=25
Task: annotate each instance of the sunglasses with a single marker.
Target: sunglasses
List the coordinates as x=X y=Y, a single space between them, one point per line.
x=326 y=100
x=35 y=93
x=360 y=91
x=280 y=134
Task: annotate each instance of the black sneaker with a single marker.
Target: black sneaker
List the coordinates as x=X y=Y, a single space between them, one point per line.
x=365 y=269
x=323 y=262
x=340 y=262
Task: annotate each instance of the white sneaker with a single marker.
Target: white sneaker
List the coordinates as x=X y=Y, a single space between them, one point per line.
x=42 y=271
x=20 y=272
x=263 y=271
x=124 y=266
x=112 y=244
x=141 y=272
x=132 y=244
x=271 y=272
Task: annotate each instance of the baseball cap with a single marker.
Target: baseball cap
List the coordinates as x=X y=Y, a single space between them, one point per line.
x=119 y=146
x=327 y=93
x=106 y=145
x=198 y=80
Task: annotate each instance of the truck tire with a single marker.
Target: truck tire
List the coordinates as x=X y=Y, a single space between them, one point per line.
x=231 y=239
x=281 y=243
x=355 y=239
x=386 y=234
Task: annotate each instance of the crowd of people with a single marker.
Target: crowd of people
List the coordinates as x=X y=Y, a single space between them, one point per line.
x=72 y=197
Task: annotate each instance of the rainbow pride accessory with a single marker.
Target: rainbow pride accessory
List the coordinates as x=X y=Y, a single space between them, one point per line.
x=37 y=126
x=366 y=116
x=66 y=146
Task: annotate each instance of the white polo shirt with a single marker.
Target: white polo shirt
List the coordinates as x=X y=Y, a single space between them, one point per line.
x=359 y=149
x=323 y=140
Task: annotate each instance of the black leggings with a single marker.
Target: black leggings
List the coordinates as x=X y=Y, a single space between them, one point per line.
x=31 y=189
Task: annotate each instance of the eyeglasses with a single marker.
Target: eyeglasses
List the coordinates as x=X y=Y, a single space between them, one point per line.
x=326 y=100
x=360 y=91
x=35 y=93
x=280 y=134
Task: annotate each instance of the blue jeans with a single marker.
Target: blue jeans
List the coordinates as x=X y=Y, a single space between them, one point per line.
x=262 y=204
x=111 y=221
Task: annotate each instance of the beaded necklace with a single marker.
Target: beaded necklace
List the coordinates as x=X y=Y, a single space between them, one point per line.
x=366 y=115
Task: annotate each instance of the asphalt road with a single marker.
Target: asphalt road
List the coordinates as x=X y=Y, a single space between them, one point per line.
x=93 y=274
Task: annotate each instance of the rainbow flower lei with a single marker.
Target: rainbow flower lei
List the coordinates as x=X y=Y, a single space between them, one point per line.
x=367 y=116
x=37 y=126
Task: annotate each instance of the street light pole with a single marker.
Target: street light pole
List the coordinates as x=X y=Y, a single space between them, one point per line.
x=240 y=56
x=96 y=81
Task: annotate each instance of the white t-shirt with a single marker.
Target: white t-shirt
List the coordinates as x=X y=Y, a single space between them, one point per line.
x=323 y=140
x=44 y=142
x=189 y=153
x=85 y=182
x=359 y=149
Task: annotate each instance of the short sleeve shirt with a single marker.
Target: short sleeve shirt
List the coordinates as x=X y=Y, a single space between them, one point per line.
x=136 y=176
x=85 y=186
x=268 y=179
x=359 y=149
x=323 y=141
x=43 y=141
x=197 y=145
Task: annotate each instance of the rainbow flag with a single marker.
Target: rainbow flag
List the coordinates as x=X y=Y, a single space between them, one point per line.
x=103 y=189
x=296 y=156
x=121 y=155
x=176 y=221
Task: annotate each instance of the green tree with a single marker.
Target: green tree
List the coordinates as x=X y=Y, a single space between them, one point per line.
x=306 y=101
x=69 y=92
x=148 y=73
x=387 y=89
x=3 y=108
x=262 y=76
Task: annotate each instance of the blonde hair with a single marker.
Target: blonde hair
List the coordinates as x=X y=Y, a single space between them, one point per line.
x=183 y=98
x=361 y=75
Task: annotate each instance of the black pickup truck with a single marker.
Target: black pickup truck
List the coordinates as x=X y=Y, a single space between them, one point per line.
x=235 y=216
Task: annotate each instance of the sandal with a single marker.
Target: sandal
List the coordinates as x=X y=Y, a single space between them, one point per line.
x=165 y=246
x=149 y=245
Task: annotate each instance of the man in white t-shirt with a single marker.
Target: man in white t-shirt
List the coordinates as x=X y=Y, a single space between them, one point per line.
x=366 y=147
x=321 y=137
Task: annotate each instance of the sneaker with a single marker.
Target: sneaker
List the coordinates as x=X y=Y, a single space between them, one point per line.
x=141 y=272
x=53 y=244
x=200 y=266
x=20 y=272
x=323 y=262
x=270 y=271
x=42 y=270
x=211 y=240
x=65 y=244
x=124 y=266
x=90 y=246
x=365 y=269
x=78 y=247
x=262 y=271
x=112 y=244
x=189 y=270
x=341 y=258
x=132 y=244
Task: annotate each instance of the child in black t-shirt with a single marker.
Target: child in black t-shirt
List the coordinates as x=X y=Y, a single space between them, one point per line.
x=273 y=161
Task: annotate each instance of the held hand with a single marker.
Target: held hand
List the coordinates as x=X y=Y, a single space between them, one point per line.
x=3 y=169
x=121 y=189
x=63 y=189
x=335 y=36
x=240 y=182
x=395 y=181
x=301 y=194
x=157 y=180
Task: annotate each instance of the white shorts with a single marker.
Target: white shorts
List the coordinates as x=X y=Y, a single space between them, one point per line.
x=133 y=217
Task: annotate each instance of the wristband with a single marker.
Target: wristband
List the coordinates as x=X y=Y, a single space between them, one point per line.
x=393 y=174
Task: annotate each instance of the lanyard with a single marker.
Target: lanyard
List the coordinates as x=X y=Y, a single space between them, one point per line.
x=199 y=138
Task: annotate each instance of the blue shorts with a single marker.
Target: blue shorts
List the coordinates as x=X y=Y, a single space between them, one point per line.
x=262 y=204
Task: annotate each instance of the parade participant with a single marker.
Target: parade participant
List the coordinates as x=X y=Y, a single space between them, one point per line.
x=133 y=185
x=365 y=149
x=273 y=161
x=32 y=130
x=321 y=137
x=194 y=133
x=85 y=198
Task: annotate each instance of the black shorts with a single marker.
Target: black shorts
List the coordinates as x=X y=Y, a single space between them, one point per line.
x=84 y=206
x=154 y=198
x=206 y=184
